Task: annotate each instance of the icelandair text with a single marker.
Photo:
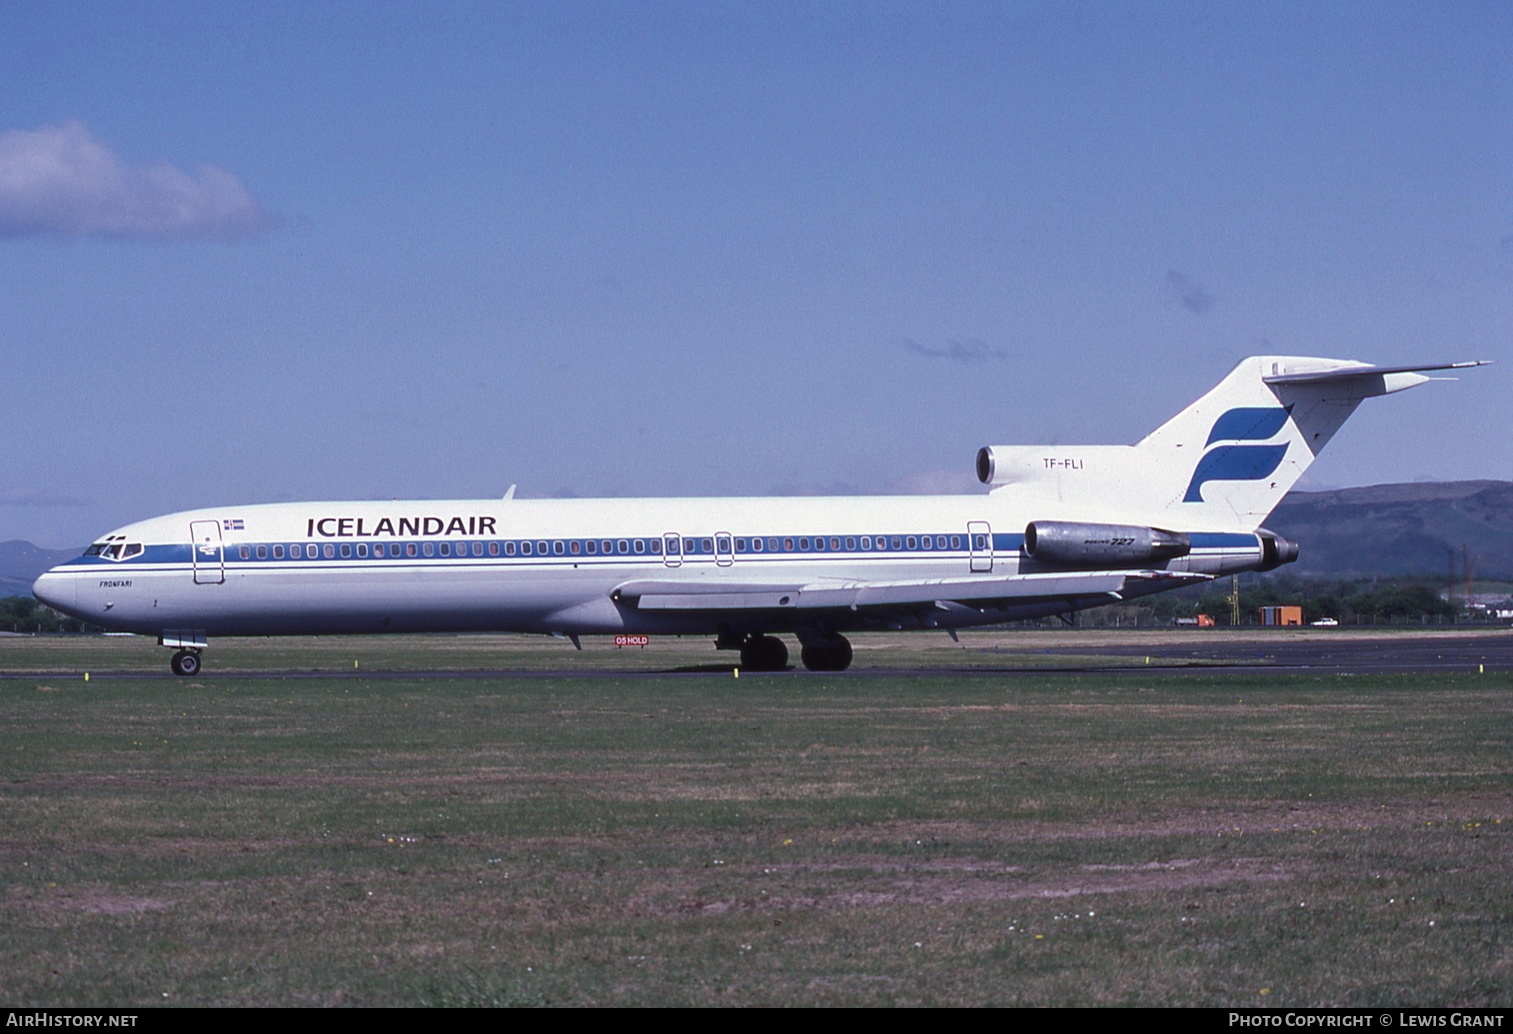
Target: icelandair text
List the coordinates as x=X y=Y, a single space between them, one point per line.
x=396 y=527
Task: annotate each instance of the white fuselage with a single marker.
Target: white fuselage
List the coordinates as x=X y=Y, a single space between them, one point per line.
x=595 y=566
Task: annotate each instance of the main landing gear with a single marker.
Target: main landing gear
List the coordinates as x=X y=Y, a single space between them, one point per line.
x=831 y=654
x=764 y=653
x=186 y=662
x=768 y=653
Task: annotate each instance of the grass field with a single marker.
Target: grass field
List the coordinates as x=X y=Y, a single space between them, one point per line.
x=1103 y=838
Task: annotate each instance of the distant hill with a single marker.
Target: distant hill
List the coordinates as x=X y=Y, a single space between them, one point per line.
x=21 y=563
x=1381 y=529
x=1401 y=529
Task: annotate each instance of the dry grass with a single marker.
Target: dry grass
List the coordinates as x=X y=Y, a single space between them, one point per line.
x=697 y=839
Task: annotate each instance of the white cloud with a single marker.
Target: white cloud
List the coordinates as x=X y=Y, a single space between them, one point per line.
x=61 y=180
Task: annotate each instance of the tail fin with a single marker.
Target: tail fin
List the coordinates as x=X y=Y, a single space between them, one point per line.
x=1225 y=461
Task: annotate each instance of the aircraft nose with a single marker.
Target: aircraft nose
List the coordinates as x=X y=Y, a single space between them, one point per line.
x=58 y=591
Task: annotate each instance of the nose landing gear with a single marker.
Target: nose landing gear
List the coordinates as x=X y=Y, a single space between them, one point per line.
x=185 y=662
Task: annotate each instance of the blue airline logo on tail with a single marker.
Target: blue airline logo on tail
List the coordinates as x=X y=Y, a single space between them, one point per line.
x=1240 y=462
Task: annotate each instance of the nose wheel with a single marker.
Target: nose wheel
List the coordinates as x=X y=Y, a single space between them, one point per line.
x=186 y=662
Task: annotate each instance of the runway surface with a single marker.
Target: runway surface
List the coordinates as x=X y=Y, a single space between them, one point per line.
x=1401 y=652
x=1345 y=654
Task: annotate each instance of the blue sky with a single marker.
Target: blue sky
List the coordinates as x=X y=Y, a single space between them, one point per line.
x=265 y=252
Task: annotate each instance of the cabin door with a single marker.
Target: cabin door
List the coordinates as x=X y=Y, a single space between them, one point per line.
x=209 y=557
x=980 y=539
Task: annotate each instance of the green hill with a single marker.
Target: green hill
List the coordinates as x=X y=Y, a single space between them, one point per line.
x=21 y=563
x=1407 y=529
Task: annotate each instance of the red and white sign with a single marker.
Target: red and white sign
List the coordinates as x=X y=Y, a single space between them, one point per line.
x=632 y=640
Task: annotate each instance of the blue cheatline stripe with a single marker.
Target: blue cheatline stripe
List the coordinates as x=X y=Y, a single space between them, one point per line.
x=1248 y=424
x=396 y=554
x=1222 y=540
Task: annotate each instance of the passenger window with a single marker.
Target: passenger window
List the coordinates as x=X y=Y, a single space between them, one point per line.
x=897 y=543
x=573 y=547
x=557 y=547
x=410 y=549
x=654 y=546
x=526 y=549
x=330 y=550
x=756 y=545
x=262 y=552
x=850 y=542
x=428 y=549
x=624 y=546
x=788 y=544
x=955 y=541
x=740 y=545
x=446 y=549
x=591 y=547
x=244 y=552
x=607 y=547
x=493 y=549
x=362 y=549
x=724 y=544
x=278 y=552
x=346 y=549
x=509 y=549
x=640 y=545
x=541 y=548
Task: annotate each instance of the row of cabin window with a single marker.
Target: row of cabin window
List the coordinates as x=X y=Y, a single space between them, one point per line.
x=608 y=547
x=543 y=547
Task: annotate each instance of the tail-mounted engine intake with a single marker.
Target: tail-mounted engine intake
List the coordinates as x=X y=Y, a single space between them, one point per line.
x=1275 y=550
x=1072 y=544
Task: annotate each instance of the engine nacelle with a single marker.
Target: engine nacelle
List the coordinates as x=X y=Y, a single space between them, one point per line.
x=1073 y=544
x=1275 y=550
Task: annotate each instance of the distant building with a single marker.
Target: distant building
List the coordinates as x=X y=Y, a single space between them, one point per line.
x=1281 y=616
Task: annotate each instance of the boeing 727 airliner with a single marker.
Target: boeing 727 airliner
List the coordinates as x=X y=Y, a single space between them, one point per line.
x=1064 y=528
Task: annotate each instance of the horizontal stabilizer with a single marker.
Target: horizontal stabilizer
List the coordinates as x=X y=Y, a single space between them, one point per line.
x=1365 y=370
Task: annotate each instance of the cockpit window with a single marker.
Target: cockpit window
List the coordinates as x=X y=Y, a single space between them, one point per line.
x=115 y=548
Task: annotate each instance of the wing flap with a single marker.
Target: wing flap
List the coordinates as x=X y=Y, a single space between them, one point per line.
x=717 y=596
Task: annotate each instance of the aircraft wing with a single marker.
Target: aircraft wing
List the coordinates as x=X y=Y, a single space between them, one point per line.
x=975 y=592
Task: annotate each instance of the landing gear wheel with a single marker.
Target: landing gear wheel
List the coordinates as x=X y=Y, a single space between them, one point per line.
x=827 y=655
x=186 y=662
x=764 y=653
